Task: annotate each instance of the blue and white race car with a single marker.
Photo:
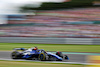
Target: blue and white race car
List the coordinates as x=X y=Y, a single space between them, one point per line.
x=37 y=54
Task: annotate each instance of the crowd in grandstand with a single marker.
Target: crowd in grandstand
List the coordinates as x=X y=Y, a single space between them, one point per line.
x=53 y=31
x=53 y=23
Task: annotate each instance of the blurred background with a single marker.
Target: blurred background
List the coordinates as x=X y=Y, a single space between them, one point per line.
x=48 y=18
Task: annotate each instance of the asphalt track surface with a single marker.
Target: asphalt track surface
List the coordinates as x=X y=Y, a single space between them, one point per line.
x=78 y=58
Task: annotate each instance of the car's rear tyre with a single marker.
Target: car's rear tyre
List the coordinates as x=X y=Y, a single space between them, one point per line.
x=14 y=55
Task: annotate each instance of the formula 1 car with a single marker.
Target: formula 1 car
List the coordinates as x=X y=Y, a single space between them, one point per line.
x=37 y=54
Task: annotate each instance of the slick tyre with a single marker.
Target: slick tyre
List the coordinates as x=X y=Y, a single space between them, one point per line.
x=42 y=57
x=14 y=55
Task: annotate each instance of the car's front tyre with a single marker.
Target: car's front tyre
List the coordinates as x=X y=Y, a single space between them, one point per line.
x=43 y=57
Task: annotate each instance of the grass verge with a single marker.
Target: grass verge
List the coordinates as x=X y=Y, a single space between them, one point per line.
x=52 y=47
x=34 y=64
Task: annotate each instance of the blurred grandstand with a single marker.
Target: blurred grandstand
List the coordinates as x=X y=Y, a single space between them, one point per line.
x=66 y=23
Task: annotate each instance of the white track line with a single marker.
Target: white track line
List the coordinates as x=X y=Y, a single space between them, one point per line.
x=51 y=61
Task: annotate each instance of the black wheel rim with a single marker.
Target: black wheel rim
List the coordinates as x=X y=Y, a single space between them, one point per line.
x=41 y=57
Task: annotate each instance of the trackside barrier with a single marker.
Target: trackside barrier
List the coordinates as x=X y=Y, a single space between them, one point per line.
x=90 y=41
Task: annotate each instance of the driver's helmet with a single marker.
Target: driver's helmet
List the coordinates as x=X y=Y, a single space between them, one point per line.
x=35 y=48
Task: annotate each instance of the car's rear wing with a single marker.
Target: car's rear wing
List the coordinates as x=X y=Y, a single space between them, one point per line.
x=19 y=49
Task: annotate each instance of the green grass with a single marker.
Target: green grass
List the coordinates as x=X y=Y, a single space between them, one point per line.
x=34 y=64
x=52 y=47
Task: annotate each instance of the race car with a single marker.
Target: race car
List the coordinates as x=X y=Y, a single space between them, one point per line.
x=37 y=54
